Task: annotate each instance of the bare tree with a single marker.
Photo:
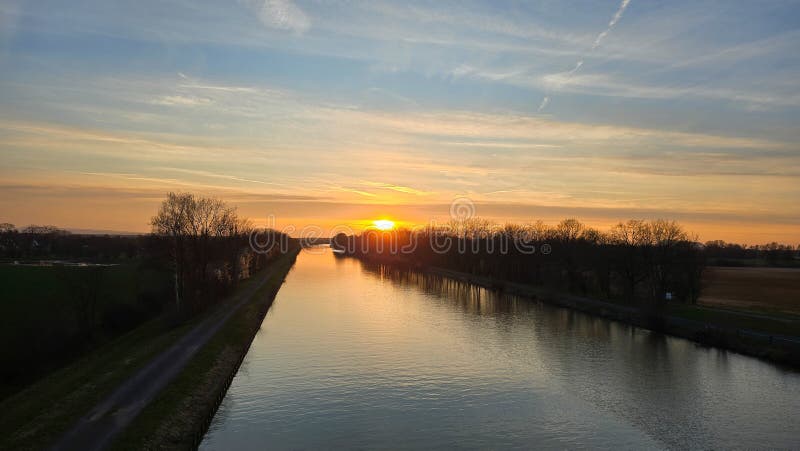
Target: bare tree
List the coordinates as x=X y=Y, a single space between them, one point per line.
x=631 y=239
x=569 y=230
x=173 y=221
x=664 y=236
x=200 y=228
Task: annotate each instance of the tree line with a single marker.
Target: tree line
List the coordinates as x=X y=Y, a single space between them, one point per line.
x=65 y=294
x=773 y=254
x=208 y=246
x=642 y=262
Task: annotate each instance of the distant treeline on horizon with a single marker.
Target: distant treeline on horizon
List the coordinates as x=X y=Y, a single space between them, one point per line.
x=720 y=248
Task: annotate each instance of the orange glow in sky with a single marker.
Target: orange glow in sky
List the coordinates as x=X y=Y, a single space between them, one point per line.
x=335 y=126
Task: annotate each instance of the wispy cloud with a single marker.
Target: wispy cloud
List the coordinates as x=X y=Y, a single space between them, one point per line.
x=180 y=100
x=398 y=188
x=281 y=14
x=501 y=144
x=221 y=88
x=355 y=191
x=617 y=86
x=217 y=175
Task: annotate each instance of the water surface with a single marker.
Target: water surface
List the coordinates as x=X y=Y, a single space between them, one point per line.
x=366 y=357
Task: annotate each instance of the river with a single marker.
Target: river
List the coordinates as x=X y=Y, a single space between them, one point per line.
x=354 y=356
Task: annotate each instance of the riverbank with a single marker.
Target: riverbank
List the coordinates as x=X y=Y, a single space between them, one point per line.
x=181 y=413
x=776 y=339
x=40 y=414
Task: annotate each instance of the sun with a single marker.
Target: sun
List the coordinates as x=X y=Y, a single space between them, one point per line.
x=383 y=224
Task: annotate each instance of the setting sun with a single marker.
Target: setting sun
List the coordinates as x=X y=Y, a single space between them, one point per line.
x=383 y=224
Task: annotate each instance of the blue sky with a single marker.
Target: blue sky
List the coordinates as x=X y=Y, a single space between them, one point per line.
x=320 y=111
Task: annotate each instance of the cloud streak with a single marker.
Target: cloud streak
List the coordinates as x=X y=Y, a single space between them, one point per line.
x=611 y=24
x=398 y=188
x=180 y=100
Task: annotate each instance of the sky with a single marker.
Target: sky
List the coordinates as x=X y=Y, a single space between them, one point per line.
x=324 y=113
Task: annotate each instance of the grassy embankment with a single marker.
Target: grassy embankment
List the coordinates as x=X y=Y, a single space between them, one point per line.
x=35 y=417
x=38 y=415
x=181 y=414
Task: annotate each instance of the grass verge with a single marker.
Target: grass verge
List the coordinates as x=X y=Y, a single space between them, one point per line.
x=36 y=416
x=771 y=323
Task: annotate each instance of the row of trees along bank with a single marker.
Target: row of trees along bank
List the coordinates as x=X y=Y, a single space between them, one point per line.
x=67 y=294
x=635 y=261
x=209 y=248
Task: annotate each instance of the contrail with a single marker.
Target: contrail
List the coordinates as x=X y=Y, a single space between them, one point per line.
x=613 y=22
x=544 y=103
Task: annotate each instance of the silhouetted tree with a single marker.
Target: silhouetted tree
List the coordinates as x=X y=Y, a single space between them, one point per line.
x=209 y=246
x=173 y=221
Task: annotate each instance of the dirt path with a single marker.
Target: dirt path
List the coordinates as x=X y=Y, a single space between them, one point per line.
x=95 y=430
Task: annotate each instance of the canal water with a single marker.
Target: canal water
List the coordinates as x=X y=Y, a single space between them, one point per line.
x=355 y=356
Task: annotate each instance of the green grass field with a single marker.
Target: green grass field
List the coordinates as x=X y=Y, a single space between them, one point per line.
x=40 y=315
